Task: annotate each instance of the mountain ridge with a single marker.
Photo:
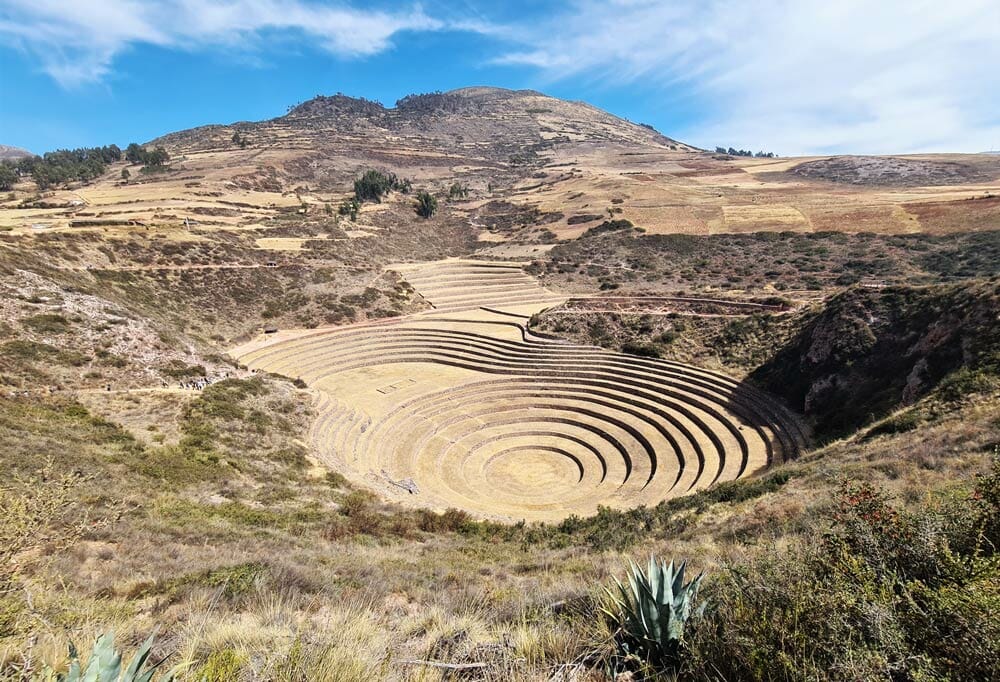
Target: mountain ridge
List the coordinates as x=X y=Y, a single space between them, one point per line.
x=11 y=152
x=506 y=108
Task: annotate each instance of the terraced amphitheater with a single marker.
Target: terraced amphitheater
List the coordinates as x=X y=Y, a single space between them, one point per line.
x=462 y=406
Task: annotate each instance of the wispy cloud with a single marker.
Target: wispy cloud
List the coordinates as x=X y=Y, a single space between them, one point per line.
x=796 y=75
x=77 y=42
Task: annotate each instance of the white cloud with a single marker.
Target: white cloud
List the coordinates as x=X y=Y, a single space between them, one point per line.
x=77 y=42
x=798 y=76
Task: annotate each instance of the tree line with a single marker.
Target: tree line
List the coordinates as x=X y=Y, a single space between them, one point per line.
x=59 y=167
x=744 y=152
x=76 y=165
x=136 y=153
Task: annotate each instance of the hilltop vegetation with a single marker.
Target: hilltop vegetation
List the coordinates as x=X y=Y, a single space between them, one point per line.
x=744 y=152
x=61 y=167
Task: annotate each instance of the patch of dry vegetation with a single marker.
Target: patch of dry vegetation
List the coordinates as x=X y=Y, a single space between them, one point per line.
x=255 y=565
x=735 y=344
x=635 y=263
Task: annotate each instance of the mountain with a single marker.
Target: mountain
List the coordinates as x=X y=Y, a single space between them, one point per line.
x=12 y=153
x=564 y=164
x=489 y=140
x=489 y=122
x=531 y=169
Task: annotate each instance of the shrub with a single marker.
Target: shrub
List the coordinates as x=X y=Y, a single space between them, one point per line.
x=336 y=479
x=609 y=226
x=426 y=205
x=28 y=351
x=350 y=208
x=36 y=512
x=373 y=185
x=179 y=370
x=7 y=177
x=641 y=349
x=238 y=580
x=650 y=616
x=967 y=381
x=882 y=593
x=221 y=666
x=356 y=503
x=450 y=520
x=898 y=423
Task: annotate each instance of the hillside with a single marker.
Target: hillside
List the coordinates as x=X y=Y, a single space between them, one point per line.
x=536 y=170
x=842 y=364
x=392 y=393
x=9 y=152
x=870 y=352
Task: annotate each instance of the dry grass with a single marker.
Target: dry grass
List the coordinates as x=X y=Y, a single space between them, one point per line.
x=239 y=600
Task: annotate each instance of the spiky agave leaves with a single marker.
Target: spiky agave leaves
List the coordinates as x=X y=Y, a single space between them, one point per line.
x=105 y=664
x=651 y=612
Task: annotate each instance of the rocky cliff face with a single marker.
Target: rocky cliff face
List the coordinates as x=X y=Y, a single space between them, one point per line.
x=870 y=351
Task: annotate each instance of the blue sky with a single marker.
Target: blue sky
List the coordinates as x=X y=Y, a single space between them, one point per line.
x=793 y=76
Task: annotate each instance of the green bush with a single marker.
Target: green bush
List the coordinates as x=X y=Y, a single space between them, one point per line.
x=179 y=370
x=335 y=479
x=373 y=185
x=620 y=529
x=237 y=580
x=220 y=666
x=7 y=177
x=645 y=350
x=967 y=381
x=349 y=208
x=28 y=351
x=881 y=593
x=426 y=205
x=898 y=423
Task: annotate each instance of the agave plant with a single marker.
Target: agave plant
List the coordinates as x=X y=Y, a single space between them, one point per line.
x=651 y=612
x=105 y=664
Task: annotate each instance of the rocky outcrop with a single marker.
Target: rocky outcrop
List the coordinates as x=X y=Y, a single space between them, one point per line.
x=871 y=351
